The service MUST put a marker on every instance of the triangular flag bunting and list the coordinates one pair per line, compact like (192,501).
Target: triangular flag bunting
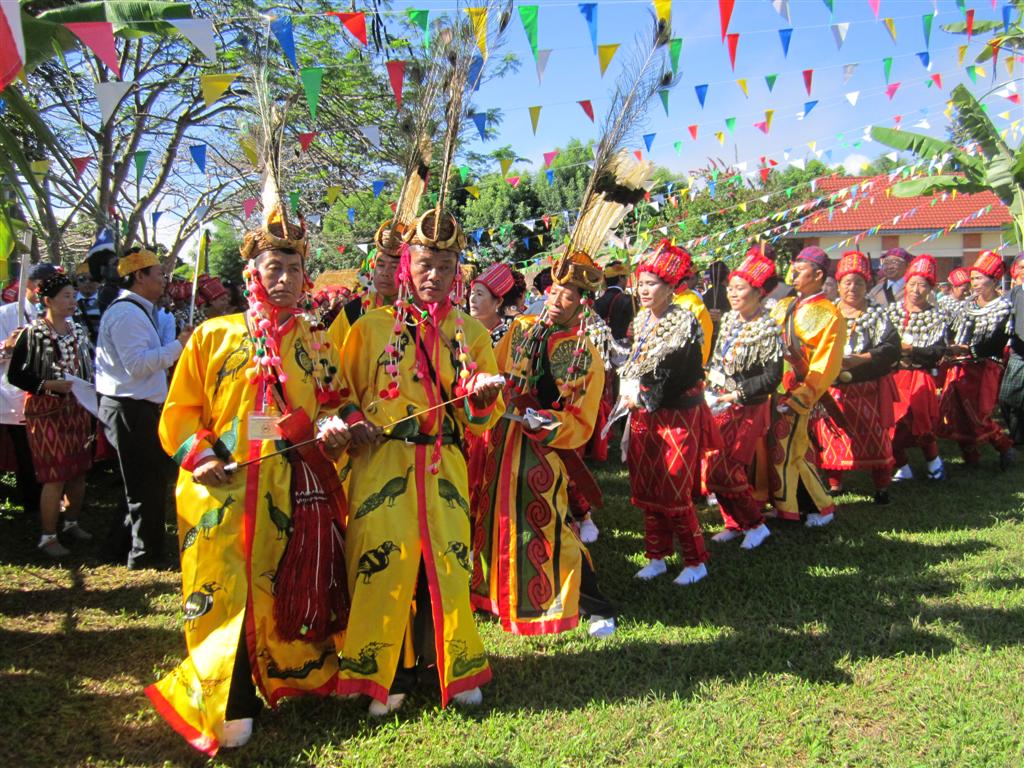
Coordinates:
(534,118)
(762,126)
(396,75)
(514,181)
(848,70)
(604,55)
(702,92)
(199,32)
(378,187)
(770,81)
(678,146)
(353,22)
(693,131)
(675,47)
(890,25)
(663,93)
(830,5)
(887,67)
(542,63)
(785,35)
(852,97)
(588,108)
(926,23)
(283,31)
(960,54)
(733,40)
(214,86)
(249,205)
(479,18)
(474,191)
(305,139)
(725,14)
(109,95)
(80,163)
(720,135)
(782,8)
(312,79)
(198,152)
(874,6)
(730,124)
(742,83)
(890,90)
(589,11)
(248,145)
(505,164)
(98,37)
(808,77)
(649,140)
(528,15)
(839,33)
(808,106)
(969,18)
(549,157)
(972,73)
(333,194)
(937,79)
(768,115)
(141,158)
(421,18)
(925,59)
(372,134)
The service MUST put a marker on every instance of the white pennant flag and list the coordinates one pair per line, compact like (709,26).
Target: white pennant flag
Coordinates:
(801,163)
(782,8)
(923,123)
(848,70)
(199,32)
(372,134)
(542,62)
(655,205)
(741,166)
(894,156)
(529,224)
(201,211)
(852,97)
(364,247)
(839,33)
(109,95)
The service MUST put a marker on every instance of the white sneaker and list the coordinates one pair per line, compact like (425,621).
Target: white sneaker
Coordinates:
(691,575)
(712,500)
(755,537)
(652,569)
(727,534)
(236,733)
(588,531)
(474,697)
(816,520)
(903,473)
(382,709)
(75,531)
(601,627)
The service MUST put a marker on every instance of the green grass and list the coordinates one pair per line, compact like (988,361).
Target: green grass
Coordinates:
(889,638)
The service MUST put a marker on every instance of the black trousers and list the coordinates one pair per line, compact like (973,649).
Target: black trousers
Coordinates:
(29,489)
(243,701)
(592,600)
(422,639)
(131,427)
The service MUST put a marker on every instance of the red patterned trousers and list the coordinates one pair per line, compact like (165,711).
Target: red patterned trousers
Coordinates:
(742,428)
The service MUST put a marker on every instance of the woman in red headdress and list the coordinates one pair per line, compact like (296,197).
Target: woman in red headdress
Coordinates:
(670,424)
(980,332)
(864,392)
(746,368)
(498,289)
(924,333)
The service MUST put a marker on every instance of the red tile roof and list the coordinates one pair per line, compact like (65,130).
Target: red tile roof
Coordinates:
(872,207)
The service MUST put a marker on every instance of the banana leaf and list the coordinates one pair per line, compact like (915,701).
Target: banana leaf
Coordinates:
(940,183)
(927,147)
(999,175)
(45,33)
(976,123)
(960,27)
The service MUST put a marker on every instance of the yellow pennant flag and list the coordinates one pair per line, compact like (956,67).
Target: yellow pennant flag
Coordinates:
(743,207)
(505,165)
(540,240)
(1004,115)
(720,136)
(812,145)
(979,70)
(961,52)
(742,83)
(663,10)
(768,115)
(6,246)
(534,117)
(555,220)
(605,54)
(248,145)
(890,25)
(332,194)
(1003,133)
(1009,65)
(213,86)
(479,18)
(948,112)
(474,191)
(39,169)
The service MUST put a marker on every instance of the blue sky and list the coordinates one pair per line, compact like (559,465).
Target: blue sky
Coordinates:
(573,74)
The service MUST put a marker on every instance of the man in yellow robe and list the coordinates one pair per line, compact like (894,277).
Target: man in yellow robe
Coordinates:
(689,298)
(417,370)
(531,569)
(235,378)
(814,334)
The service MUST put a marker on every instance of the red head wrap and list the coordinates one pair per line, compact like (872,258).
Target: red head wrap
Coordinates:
(755,269)
(210,288)
(497,279)
(923,266)
(959,277)
(990,264)
(669,262)
(854,263)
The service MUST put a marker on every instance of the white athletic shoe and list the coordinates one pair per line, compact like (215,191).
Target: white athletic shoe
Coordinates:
(652,569)
(816,520)
(588,531)
(600,627)
(382,709)
(903,473)
(755,537)
(474,697)
(727,534)
(691,575)
(236,733)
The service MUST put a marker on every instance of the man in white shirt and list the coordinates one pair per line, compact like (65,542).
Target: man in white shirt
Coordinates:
(131,379)
(12,399)
(890,289)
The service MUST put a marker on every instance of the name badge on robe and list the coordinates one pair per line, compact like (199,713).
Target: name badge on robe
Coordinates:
(263,427)
(629,388)
(716,378)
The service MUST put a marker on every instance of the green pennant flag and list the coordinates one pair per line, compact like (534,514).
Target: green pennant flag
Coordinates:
(887,66)
(971,73)
(293,199)
(6,247)
(789,191)
(312,79)
(528,15)
(675,47)
(730,123)
(420,19)
(679,147)
(926,21)
(770,81)
(141,158)
(463,173)
(664,99)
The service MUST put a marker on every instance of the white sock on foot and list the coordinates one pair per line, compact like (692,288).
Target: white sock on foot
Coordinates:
(691,574)
(652,569)
(725,535)
(817,520)
(755,537)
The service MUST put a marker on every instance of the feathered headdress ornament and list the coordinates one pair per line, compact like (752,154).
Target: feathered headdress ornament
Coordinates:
(619,180)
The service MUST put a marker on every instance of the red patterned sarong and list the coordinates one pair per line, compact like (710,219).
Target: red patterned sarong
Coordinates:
(965,411)
(917,401)
(866,442)
(60,435)
(743,429)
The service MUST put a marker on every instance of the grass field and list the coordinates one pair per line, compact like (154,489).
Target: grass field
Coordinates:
(889,638)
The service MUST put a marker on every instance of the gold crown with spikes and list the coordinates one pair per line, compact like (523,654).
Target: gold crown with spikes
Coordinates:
(277,233)
(579,270)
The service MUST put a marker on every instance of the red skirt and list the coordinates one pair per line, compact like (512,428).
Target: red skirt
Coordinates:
(965,412)
(743,429)
(917,400)
(60,436)
(866,441)
(665,450)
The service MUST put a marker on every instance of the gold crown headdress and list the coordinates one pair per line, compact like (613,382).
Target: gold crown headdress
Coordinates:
(619,180)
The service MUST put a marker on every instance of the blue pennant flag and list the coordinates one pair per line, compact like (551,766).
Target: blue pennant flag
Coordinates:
(926,59)
(702,92)
(649,140)
(785,35)
(477,234)
(351,215)
(808,106)
(1007,13)
(551,177)
(711,190)
(198,152)
(481,124)
(282,29)
(526,243)
(589,11)
(156,217)
(378,187)
(476,68)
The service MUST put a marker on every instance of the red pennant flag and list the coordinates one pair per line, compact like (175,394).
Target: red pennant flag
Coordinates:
(725,12)
(890,90)
(762,126)
(970,23)
(354,23)
(80,163)
(808,76)
(764,175)
(341,249)
(588,108)
(513,181)
(394,206)
(937,79)
(396,73)
(305,139)
(639,154)
(99,38)
(249,205)
(734,40)
(1014,97)
(549,158)
(693,132)
(547,221)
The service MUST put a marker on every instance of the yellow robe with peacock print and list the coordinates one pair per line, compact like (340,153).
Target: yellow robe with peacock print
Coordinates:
(401,514)
(528,560)
(693,302)
(233,536)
